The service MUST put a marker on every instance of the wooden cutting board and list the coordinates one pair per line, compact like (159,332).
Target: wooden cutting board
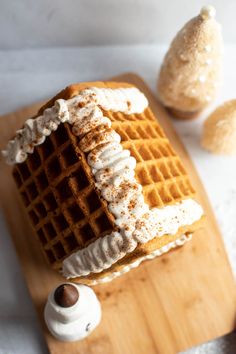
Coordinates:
(166,305)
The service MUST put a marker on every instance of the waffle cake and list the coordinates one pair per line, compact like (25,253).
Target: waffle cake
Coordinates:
(101,183)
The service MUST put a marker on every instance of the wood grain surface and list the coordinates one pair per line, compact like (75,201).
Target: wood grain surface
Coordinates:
(167,305)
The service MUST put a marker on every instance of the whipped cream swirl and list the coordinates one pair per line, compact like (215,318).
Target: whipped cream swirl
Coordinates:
(34,132)
(157,253)
(104,252)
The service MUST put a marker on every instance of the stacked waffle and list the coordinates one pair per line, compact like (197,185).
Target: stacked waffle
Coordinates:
(101,183)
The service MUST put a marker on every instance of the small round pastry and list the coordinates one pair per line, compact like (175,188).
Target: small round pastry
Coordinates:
(191,72)
(72,312)
(219,131)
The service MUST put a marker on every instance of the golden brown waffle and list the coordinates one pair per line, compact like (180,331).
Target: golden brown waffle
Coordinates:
(159,170)
(58,189)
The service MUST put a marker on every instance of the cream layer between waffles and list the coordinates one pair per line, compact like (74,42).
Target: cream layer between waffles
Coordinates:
(113,169)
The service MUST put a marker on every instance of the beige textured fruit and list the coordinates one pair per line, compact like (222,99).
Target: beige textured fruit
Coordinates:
(191,72)
(219,132)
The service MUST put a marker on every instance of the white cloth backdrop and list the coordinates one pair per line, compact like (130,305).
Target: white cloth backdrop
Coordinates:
(44,23)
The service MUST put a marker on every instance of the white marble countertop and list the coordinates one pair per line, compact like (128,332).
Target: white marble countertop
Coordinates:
(32,75)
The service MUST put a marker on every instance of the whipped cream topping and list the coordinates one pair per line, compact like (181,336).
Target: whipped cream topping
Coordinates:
(171,245)
(104,252)
(34,132)
(114,171)
(75,322)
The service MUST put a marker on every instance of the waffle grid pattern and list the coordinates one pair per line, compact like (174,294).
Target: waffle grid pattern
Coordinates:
(159,170)
(57,189)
